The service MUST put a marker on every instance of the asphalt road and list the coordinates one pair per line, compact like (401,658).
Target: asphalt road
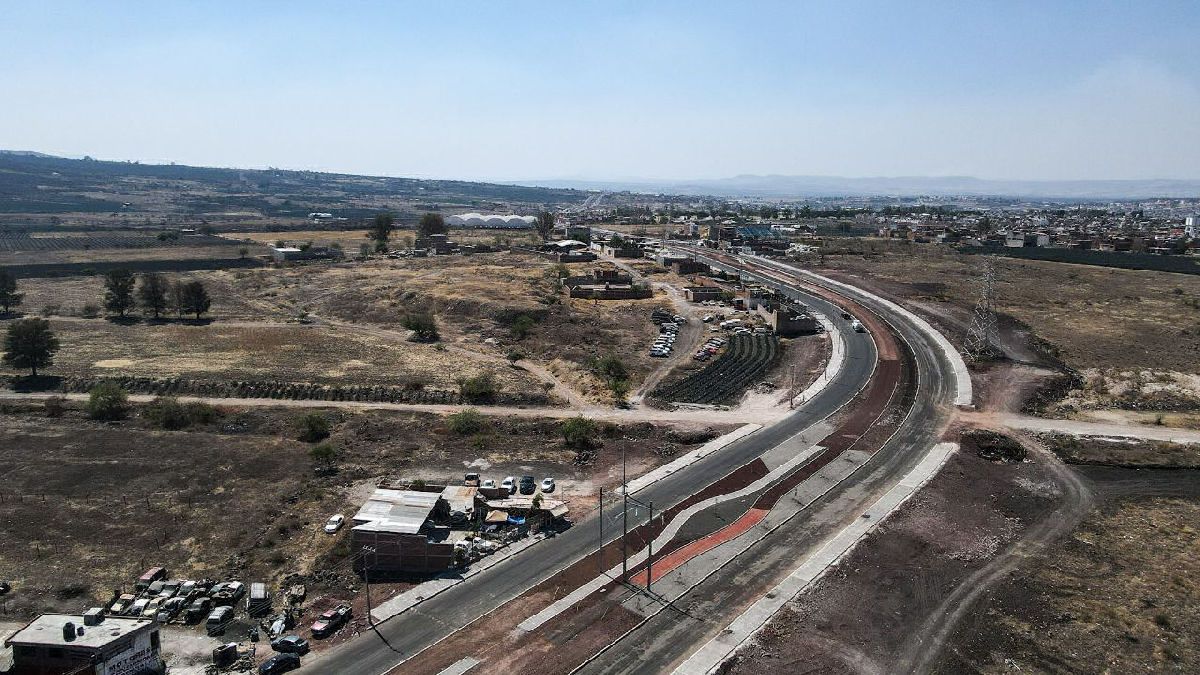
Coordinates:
(664,640)
(377,652)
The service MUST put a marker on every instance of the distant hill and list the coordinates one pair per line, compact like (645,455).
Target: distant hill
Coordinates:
(36,183)
(783,187)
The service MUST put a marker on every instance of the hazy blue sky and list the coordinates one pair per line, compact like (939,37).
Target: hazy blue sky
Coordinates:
(510,90)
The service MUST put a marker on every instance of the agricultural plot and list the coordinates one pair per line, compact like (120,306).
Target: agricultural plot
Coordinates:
(747,358)
(26,243)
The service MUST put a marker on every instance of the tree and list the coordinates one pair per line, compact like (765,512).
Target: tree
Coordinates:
(194,298)
(243,252)
(466,422)
(9,297)
(616,242)
(579,432)
(545,224)
(479,389)
(522,325)
(107,401)
(313,428)
(431,223)
(364,250)
(323,453)
(30,344)
(423,326)
(153,293)
(118,291)
(381,230)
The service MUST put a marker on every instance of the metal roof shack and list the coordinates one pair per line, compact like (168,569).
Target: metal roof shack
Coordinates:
(460,498)
(396,511)
(554,507)
(61,643)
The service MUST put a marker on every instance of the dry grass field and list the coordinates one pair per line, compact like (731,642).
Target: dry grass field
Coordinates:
(87,505)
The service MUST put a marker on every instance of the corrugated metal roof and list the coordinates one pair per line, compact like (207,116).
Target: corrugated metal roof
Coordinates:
(398,511)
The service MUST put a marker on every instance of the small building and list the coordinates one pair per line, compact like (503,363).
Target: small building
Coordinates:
(392,533)
(702,293)
(284,254)
(683,267)
(88,644)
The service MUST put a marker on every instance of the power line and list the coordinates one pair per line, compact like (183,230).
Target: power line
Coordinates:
(983,337)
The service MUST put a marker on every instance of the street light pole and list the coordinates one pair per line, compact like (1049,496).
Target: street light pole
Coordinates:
(600,549)
(367,580)
(624,520)
(650,550)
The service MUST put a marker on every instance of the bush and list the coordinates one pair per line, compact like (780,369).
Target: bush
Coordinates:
(107,401)
(514,356)
(466,422)
(579,432)
(521,326)
(313,428)
(610,368)
(478,389)
(323,453)
(168,413)
(90,311)
(423,326)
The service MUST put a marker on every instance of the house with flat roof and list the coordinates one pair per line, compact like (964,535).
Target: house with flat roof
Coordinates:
(88,644)
(393,533)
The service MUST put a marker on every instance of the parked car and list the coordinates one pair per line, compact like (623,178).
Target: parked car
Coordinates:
(547,485)
(170,588)
(292,644)
(170,609)
(279,624)
(509,483)
(136,608)
(217,620)
(330,620)
(528,485)
(199,609)
(334,523)
(150,576)
(471,480)
(122,604)
(151,608)
(228,592)
(280,663)
(489,483)
(5,587)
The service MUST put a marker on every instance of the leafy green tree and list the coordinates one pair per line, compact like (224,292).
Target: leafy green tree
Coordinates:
(118,291)
(313,428)
(30,344)
(323,453)
(545,225)
(579,432)
(107,401)
(9,297)
(479,389)
(153,293)
(521,326)
(381,230)
(610,367)
(194,298)
(431,223)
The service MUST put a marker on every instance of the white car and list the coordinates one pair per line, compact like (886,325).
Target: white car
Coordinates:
(334,523)
(489,483)
(547,485)
(509,483)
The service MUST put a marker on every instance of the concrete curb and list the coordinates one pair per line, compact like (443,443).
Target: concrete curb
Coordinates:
(837,358)
(642,482)
(710,656)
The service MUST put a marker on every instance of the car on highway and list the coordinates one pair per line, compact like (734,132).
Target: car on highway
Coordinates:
(330,620)
(280,663)
(292,644)
(334,523)
(528,485)
(509,483)
(547,484)
(847,315)
(858,327)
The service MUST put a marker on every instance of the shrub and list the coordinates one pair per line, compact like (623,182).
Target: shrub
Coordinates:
(90,311)
(481,442)
(478,389)
(166,412)
(521,326)
(579,432)
(107,401)
(514,356)
(610,368)
(313,428)
(323,453)
(466,422)
(423,326)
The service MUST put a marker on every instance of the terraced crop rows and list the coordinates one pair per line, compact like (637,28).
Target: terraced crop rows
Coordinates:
(745,359)
(22,242)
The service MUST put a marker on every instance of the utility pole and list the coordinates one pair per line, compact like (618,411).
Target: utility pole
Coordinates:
(624,520)
(650,550)
(600,549)
(983,337)
(367,580)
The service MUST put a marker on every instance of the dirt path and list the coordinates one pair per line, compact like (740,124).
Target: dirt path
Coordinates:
(924,646)
(1076,428)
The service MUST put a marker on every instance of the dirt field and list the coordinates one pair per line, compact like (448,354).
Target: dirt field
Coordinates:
(1124,452)
(92,504)
(1117,596)
(857,617)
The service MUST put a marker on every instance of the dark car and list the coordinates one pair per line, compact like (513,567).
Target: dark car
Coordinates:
(280,663)
(528,486)
(330,621)
(292,644)
(199,609)
(4,587)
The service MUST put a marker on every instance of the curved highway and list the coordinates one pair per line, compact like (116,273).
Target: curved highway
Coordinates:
(398,638)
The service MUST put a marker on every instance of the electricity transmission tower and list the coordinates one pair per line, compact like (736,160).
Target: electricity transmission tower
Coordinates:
(983,337)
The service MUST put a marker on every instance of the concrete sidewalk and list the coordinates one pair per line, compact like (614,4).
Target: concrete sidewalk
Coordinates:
(1098,429)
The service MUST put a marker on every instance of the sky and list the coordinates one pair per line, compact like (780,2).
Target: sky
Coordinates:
(614,90)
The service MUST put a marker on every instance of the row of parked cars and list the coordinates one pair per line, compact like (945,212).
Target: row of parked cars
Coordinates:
(526,486)
(665,342)
(166,600)
(709,349)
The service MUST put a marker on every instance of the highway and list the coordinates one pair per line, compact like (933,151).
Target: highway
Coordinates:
(374,653)
(668,637)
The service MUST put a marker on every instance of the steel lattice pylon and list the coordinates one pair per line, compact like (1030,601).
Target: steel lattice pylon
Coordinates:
(983,337)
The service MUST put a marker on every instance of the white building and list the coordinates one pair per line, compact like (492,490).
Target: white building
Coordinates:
(1191,226)
(491,221)
(91,643)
